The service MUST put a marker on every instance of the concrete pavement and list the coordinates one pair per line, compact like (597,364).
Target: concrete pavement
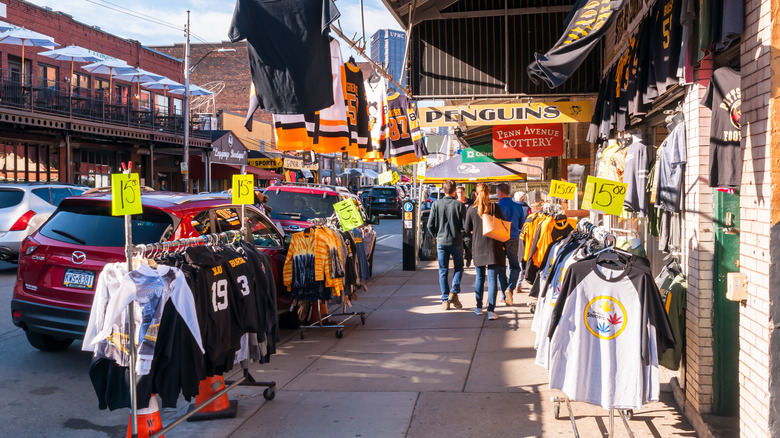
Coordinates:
(416,371)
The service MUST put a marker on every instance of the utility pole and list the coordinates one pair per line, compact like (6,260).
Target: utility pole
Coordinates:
(186,175)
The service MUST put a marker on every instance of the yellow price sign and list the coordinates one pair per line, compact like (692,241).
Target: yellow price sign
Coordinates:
(125,194)
(385,177)
(348,214)
(243,189)
(562,189)
(604,196)
(396,178)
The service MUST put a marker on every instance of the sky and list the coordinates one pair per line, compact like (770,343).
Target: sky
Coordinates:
(155,22)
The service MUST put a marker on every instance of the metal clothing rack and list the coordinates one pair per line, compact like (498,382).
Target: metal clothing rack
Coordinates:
(174,246)
(332,222)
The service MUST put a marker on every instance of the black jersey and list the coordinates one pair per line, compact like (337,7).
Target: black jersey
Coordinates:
(266,296)
(219,315)
(243,279)
(357,110)
(724,97)
(404,142)
(665,43)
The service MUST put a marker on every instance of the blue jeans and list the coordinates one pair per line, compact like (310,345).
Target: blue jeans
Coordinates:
(512,247)
(445,251)
(494,274)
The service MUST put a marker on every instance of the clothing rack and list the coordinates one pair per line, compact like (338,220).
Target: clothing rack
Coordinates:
(158,248)
(332,222)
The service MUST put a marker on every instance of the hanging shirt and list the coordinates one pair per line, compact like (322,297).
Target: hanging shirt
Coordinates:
(376,96)
(357,110)
(672,157)
(404,141)
(635,178)
(673,291)
(724,97)
(289,53)
(665,43)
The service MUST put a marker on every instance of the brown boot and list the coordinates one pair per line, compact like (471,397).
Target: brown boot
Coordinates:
(509,299)
(453,299)
(445,305)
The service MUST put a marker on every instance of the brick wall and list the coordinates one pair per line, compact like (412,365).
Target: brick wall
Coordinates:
(698,249)
(756,210)
(67,31)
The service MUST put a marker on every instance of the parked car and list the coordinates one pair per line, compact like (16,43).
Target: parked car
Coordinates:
(294,204)
(385,200)
(24,207)
(60,263)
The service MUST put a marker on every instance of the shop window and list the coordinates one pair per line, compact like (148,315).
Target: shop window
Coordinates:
(80,84)
(101,88)
(145,99)
(161,104)
(177,106)
(120,94)
(23,162)
(47,75)
(94,168)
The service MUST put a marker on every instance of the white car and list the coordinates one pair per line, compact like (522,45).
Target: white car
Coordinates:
(26,206)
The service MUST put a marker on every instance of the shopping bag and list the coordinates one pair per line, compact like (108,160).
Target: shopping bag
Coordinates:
(495,228)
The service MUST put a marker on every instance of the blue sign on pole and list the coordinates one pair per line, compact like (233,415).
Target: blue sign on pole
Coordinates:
(408,206)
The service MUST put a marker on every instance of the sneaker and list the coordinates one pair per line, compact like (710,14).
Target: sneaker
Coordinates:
(455,301)
(478,311)
(445,305)
(501,301)
(492,315)
(509,299)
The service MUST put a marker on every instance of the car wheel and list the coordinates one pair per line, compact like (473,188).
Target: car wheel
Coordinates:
(47,342)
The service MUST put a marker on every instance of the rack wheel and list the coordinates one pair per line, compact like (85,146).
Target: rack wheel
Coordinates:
(269,393)
(556,410)
(362,319)
(339,333)
(628,413)
(302,336)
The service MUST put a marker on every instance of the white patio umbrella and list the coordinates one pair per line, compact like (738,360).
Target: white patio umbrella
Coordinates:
(72,54)
(6,26)
(194,91)
(110,67)
(25,37)
(139,76)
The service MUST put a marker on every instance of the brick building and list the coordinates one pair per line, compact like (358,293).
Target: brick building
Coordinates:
(47,133)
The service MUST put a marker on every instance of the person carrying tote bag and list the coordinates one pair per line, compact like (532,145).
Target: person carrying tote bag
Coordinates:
(488,253)
(495,228)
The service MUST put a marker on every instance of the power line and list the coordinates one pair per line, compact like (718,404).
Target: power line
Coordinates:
(136,15)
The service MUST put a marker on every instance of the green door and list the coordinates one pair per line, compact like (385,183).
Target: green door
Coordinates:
(725,323)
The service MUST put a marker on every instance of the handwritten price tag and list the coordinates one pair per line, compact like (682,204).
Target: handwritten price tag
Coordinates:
(562,189)
(125,194)
(385,177)
(396,178)
(243,189)
(348,214)
(604,196)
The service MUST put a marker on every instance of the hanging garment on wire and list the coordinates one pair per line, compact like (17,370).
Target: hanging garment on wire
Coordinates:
(603,328)
(672,157)
(403,139)
(724,97)
(635,178)
(673,289)
(357,110)
(290,73)
(376,96)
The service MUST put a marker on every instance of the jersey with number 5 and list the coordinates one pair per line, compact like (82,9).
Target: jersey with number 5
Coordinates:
(219,314)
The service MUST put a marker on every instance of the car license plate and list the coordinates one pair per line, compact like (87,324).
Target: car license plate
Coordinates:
(79,279)
(381,200)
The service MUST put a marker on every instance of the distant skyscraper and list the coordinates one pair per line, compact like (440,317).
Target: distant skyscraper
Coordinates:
(387,50)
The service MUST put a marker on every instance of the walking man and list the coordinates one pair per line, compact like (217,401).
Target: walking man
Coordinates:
(514,213)
(446,224)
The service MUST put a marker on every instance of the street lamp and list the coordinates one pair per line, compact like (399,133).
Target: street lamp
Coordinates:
(187,71)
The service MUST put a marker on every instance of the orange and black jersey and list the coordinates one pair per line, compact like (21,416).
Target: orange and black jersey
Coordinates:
(357,110)
(403,142)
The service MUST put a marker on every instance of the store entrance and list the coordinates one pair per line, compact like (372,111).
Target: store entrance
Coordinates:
(725,325)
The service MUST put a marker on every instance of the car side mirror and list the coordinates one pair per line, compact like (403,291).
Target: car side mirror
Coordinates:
(374,220)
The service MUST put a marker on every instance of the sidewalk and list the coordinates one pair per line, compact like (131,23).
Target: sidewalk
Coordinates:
(416,371)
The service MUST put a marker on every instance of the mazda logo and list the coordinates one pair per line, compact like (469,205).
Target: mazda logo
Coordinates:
(78,257)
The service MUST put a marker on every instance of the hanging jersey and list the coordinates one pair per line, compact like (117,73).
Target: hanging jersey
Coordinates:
(295,132)
(376,96)
(665,43)
(403,142)
(242,278)
(333,129)
(357,110)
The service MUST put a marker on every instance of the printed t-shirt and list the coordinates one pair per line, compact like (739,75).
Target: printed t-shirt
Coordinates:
(724,97)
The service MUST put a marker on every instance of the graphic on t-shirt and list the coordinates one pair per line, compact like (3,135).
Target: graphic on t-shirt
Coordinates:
(732,103)
(605,317)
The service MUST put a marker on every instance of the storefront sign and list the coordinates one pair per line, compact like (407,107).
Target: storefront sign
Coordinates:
(604,196)
(508,114)
(528,141)
(228,150)
(265,163)
(243,192)
(125,194)
(296,164)
(562,189)
(479,154)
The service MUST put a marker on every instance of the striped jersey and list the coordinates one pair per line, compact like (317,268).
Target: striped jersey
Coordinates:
(357,110)
(403,139)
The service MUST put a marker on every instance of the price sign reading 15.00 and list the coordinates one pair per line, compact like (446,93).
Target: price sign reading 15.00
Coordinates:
(604,195)
(243,189)
(348,214)
(562,189)
(125,194)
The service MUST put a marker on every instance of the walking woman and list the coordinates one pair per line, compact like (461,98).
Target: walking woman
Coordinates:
(489,256)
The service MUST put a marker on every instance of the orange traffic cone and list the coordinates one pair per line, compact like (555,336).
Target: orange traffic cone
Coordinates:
(221,407)
(149,421)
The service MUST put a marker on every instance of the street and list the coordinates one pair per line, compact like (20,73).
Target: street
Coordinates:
(50,394)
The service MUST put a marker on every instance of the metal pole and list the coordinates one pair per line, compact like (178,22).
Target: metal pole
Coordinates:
(131,339)
(186,175)
(408,41)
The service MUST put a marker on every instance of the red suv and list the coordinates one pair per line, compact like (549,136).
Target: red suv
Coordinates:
(60,262)
(294,204)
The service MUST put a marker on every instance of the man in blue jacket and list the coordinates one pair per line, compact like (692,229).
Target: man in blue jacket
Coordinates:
(513,213)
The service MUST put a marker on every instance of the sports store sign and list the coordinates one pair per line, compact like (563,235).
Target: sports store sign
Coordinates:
(505,114)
